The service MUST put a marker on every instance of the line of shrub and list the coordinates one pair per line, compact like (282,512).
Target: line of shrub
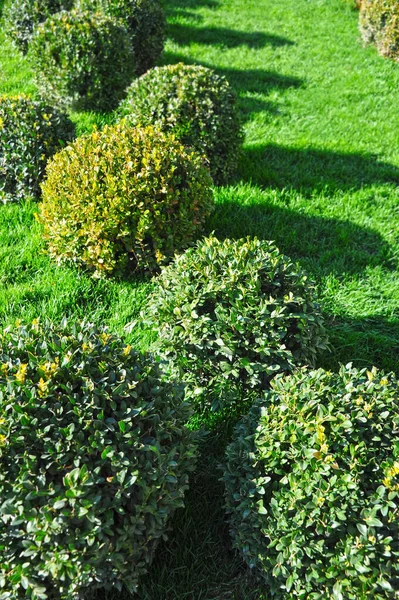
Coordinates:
(96,442)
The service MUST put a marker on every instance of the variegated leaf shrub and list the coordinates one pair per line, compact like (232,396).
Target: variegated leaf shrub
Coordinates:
(312,486)
(230,315)
(21,17)
(94,459)
(145,22)
(83,60)
(31,131)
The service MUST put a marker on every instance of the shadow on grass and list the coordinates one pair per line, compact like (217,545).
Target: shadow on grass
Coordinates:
(184,35)
(368,341)
(184,4)
(198,561)
(310,169)
(323,245)
(246,81)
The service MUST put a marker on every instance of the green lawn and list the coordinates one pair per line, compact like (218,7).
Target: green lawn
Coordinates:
(319,174)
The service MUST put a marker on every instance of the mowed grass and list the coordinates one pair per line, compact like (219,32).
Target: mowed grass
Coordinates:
(319,174)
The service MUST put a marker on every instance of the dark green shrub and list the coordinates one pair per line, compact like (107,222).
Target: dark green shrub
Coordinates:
(30,133)
(83,60)
(124,199)
(94,458)
(146,23)
(21,17)
(379,24)
(312,485)
(195,103)
(232,314)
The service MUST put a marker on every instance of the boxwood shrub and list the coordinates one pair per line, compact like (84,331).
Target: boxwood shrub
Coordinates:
(21,17)
(230,315)
(94,458)
(83,59)
(379,24)
(31,131)
(197,104)
(146,23)
(123,200)
(312,485)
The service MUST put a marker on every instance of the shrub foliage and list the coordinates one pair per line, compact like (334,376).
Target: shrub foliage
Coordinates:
(83,59)
(21,17)
(94,458)
(146,24)
(312,485)
(195,103)
(124,199)
(232,314)
(379,24)
(30,133)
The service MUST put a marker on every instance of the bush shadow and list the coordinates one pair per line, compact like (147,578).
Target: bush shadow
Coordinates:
(184,35)
(365,342)
(184,4)
(322,245)
(310,169)
(246,81)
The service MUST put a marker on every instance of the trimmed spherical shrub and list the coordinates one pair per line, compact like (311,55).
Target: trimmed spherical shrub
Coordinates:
(230,315)
(146,24)
(379,24)
(312,485)
(94,458)
(31,131)
(21,17)
(195,103)
(83,60)
(124,200)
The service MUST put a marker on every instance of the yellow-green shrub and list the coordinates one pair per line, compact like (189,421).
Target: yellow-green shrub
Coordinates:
(124,199)
(379,24)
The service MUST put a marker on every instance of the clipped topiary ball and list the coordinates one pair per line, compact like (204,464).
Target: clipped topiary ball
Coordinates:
(195,103)
(146,23)
(230,315)
(94,458)
(379,24)
(31,131)
(21,17)
(84,60)
(124,200)
(312,485)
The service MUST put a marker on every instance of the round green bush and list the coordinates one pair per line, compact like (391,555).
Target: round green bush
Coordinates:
(123,200)
(21,17)
(83,60)
(230,315)
(146,24)
(31,131)
(94,458)
(195,103)
(379,24)
(312,485)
